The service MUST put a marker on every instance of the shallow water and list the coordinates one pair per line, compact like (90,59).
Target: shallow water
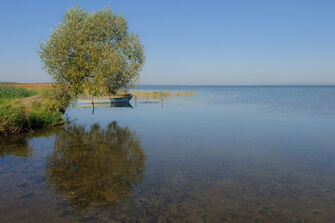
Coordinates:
(227,154)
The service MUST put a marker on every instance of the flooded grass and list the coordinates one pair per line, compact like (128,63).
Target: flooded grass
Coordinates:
(37,88)
(162,94)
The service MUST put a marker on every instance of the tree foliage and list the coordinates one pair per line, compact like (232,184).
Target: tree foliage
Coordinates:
(92,53)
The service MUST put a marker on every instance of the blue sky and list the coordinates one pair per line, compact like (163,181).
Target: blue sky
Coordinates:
(192,42)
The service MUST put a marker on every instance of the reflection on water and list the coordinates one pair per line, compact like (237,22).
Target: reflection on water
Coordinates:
(104,105)
(15,146)
(226,154)
(121,105)
(95,167)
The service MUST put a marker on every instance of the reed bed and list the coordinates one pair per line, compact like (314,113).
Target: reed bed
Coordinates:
(11,92)
(162,94)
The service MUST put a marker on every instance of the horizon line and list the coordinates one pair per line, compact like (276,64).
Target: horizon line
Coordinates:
(200,85)
(239,85)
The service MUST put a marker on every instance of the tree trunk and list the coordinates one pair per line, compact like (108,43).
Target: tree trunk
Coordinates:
(93,107)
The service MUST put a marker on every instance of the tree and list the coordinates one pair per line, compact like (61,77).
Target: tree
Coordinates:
(92,53)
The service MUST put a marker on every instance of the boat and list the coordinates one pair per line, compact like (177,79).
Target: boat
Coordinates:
(124,98)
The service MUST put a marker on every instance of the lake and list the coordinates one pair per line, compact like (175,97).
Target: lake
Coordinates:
(225,154)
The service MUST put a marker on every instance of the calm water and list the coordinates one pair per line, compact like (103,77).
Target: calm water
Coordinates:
(227,154)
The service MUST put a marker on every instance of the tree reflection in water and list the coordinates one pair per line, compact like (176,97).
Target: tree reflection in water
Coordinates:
(95,167)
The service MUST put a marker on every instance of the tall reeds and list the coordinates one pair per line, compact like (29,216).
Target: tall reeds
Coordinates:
(162,94)
(9,91)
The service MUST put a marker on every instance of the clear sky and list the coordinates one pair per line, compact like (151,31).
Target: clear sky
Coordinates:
(190,41)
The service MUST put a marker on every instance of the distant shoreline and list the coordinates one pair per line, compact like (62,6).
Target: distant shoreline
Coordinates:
(199,85)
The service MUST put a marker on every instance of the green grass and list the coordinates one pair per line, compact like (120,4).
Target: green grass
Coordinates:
(12,117)
(16,118)
(8,91)
(43,113)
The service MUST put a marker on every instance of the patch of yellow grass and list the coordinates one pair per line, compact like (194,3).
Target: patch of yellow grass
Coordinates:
(37,86)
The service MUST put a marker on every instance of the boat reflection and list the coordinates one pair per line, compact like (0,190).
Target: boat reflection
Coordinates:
(106,105)
(15,146)
(95,167)
(121,105)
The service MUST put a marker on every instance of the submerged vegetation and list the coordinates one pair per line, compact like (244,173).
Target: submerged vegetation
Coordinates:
(21,113)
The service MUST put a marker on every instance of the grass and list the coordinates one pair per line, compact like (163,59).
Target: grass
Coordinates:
(12,117)
(18,118)
(37,86)
(43,113)
(152,94)
(9,91)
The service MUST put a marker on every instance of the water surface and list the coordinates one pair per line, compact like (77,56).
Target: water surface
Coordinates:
(227,154)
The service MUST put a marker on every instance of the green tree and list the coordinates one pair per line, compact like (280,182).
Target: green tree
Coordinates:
(92,53)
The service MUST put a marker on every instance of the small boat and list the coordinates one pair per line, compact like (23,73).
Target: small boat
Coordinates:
(124,98)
